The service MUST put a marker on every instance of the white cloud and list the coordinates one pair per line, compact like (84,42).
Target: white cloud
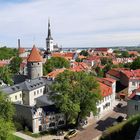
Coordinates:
(74,23)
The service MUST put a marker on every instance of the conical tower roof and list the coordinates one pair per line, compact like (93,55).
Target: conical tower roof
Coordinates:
(34,55)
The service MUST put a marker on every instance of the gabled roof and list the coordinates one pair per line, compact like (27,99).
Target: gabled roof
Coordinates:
(114,73)
(55,72)
(105,89)
(32,84)
(34,55)
(132,74)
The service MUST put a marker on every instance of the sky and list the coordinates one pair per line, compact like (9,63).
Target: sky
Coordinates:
(74,23)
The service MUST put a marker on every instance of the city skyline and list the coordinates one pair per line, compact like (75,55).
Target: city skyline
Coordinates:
(82,23)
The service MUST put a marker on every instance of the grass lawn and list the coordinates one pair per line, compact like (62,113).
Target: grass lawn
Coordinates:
(13,137)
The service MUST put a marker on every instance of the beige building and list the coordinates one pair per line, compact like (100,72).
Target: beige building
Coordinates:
(14,93)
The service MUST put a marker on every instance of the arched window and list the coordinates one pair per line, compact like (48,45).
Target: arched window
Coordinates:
(52,124)
(61,122)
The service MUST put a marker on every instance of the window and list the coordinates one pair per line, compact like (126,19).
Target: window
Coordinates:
(133,83)
(136,107)
(20,95)
(61,122)
(37,91)
(34,93)
(41,90)
(52,124)
(15,97)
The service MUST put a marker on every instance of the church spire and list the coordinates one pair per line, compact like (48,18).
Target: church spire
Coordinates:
(49,30)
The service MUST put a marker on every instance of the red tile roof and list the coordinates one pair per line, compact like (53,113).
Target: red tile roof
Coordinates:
(21,50)
(105,89)
(101,49)
(91,58)
(110,80)
(34,55)
(79,66)
(114,73)
(133,52)
(68,55)
(132,74)
(57,54)
(55,72)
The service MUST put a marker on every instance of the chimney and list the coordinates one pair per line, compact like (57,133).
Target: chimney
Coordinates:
(18,43)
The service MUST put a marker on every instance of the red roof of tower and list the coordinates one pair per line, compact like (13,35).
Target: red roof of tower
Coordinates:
(34,55)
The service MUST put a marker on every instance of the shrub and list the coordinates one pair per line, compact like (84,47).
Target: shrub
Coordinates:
(18,126)
(123,131)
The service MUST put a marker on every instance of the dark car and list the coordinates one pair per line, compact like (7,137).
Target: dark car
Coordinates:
(119,105)
(71,133)
(120,119)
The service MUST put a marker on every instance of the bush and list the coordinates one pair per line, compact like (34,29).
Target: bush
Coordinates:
(18,126)
(123,131)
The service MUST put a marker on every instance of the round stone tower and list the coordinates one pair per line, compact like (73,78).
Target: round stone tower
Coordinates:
(34,64)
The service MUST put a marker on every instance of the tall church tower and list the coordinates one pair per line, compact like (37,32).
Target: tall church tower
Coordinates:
(34,64)
(49,39)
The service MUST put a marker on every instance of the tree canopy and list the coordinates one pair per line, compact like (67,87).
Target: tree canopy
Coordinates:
(5,75)
(76,94)
(105,60)
(15,64)
(135,64)
(84,53)
(7,53)
(6,117)
(54,63)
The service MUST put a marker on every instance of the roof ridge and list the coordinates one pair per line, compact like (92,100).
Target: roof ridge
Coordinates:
(34,55)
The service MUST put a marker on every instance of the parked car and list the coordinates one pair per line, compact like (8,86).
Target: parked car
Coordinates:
(120,119)
(71,134)
(119,105)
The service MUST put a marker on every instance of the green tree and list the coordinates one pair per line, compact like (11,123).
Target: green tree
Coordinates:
(135,64)
(84,53)
(54,63)
(125,54)
(105,60)
(78,60)
(76,94)
(6,117)
(107,68)
(7,53)
(15,64)
(5,75)
(99,72)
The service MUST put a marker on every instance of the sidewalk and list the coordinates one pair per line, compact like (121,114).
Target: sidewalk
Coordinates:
(97,138)
(47,137)
(25,137)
